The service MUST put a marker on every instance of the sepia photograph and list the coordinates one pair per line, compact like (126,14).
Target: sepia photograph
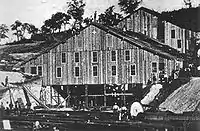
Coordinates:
(106,65)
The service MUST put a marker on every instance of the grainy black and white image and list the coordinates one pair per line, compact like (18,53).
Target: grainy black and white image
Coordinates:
(106,65)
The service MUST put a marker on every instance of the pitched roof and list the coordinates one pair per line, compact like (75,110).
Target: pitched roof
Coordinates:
(155,13)
(146,10)
(143,42)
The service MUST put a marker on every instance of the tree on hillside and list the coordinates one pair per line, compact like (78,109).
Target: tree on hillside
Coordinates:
(61,19)
(128,6)
(87,20)
(16,27)
(65,19)
(109,17)
(50,25)
(45,29)
(76,10)
(55,23)
(3,31)
(24,28)
(32,29)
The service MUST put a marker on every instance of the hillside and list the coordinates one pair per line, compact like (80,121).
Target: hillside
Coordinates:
(13,53)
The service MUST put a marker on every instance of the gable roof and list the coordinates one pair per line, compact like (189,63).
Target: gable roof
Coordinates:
(155,13)
(139,40)
(146,10)
(144,42)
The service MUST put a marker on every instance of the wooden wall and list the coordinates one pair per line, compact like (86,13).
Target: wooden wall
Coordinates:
(179,35)
(154,27)
(93,39)
(142,22)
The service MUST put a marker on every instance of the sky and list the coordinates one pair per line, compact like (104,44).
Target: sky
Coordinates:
(37,11)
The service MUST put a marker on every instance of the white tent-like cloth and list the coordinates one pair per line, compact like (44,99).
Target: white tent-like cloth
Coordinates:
(136,108)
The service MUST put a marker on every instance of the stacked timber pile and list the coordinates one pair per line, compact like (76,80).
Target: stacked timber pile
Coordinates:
(184,99)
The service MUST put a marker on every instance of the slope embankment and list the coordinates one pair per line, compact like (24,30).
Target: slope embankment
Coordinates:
(184,99)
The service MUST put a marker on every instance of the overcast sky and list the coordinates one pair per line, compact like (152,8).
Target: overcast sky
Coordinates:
(37,11)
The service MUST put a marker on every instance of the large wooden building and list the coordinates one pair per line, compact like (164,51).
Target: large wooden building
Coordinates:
(152,24)
(102,65)
(89,64)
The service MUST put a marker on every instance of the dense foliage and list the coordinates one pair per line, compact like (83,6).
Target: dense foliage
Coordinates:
(109,17)
(3,31)
(128,6)
(187,18)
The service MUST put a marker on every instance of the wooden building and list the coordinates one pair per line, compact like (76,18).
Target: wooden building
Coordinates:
(89,64)
(152,24)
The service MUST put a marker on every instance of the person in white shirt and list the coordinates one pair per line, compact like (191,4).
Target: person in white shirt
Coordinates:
(115,108)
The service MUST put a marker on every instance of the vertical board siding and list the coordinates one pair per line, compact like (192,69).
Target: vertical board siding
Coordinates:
(179,35)
(94,39)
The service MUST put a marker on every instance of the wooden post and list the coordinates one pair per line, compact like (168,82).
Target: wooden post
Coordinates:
(45,95)
(68,94)
(86,96)
(184,126)
(51,95)
(58,96)
(104,97)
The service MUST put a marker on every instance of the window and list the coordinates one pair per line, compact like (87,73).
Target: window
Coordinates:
(76,55)
(77,71)
(179,43)
(40,70)
(114,71)
(127,55)
(33,70)
(161,66)
(113,55)
(109,40)
(133,71)
(58,72)
(172,33)
(94,56)
(63,57)
(95,71)
(154,67)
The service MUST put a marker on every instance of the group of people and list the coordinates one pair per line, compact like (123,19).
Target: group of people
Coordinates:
(9,106)
(163,77)
(120,113)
